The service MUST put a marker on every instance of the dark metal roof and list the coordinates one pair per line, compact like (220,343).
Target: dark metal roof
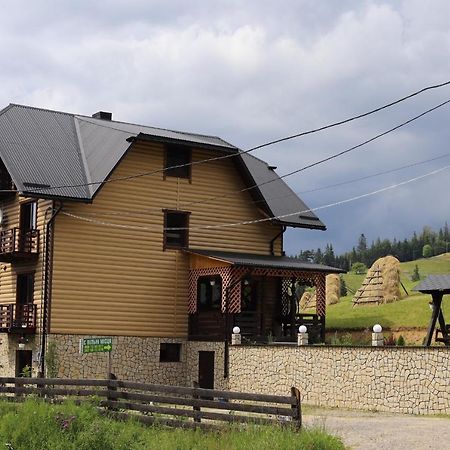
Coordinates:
(434,283)
(265,261)
(44,149)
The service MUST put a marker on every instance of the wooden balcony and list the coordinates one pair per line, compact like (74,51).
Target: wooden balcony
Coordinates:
(17,245)
(18,319)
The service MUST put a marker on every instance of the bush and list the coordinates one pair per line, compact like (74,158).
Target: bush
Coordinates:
(343,288)
(359,268)
(427,251)
(415,275)
(401,341)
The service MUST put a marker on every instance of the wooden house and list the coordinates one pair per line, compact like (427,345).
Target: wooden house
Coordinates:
(110,229)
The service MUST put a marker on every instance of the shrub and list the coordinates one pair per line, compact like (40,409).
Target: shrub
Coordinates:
(427,251)
(415,275)
(401,341)
(343,289)
(359,268)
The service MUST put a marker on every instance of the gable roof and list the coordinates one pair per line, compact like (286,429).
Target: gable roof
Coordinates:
(42,149)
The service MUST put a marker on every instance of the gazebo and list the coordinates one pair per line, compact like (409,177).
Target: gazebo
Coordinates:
(437,286)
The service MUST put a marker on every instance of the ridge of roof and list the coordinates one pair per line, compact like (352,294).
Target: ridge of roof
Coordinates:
(105,124)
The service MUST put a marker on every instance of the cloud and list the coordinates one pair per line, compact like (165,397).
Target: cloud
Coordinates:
(252,72)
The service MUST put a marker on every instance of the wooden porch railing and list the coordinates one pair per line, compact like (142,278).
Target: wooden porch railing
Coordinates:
(18,318)
(165,405)
(14,240)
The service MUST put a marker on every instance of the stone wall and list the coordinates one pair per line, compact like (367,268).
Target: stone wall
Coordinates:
(9,346)
(193,348)
(411,380)
(132,358)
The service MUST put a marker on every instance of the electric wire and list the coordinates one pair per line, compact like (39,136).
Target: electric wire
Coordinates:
(265,219)
(239,152)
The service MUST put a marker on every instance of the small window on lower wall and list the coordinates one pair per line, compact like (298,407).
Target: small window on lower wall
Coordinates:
(169,352)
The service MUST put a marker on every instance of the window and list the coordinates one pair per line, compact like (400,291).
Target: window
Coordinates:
(169,352)
(209,293)
(28,216)
(176,238)
(177,155)
(25,288)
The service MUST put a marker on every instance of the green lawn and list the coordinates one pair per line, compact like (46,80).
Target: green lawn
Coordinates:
(41,426)
(410,311)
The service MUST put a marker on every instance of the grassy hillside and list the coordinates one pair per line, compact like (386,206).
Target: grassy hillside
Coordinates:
(411,311)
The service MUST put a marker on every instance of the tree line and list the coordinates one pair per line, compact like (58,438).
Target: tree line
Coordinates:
(425,244)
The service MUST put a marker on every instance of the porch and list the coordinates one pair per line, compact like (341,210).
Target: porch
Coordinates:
(259,294)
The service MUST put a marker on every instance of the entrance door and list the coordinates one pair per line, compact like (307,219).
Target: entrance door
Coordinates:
(206,370)
(23,359)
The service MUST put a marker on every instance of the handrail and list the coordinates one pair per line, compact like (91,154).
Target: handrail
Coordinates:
(17,316)
(15,240)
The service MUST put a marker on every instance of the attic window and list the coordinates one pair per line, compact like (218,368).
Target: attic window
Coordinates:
(176,238)
(177,155)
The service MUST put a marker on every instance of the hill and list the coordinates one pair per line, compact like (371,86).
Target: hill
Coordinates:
(412,311)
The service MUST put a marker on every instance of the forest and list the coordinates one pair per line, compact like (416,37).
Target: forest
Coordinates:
(423,245)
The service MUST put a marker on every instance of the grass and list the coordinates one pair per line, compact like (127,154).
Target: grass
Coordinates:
(37,425)
(411,311)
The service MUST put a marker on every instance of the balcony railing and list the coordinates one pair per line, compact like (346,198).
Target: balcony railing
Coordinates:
(18,318)
(16,244)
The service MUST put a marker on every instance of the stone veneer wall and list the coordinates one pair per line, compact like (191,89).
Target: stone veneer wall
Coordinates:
(9,345)
(193,347)
(132,358)
(411,380)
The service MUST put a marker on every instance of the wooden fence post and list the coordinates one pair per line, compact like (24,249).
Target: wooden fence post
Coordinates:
(110,388)
(195,396)
(297,415)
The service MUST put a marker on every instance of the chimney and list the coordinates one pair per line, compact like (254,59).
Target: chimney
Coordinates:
(102,115)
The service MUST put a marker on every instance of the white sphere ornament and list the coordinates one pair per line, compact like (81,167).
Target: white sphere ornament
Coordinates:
(236,330)
(377,328)
(302,329)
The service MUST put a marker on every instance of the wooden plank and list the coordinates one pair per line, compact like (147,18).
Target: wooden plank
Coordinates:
(52,391)
(54,381)
(189,413)
(203,392)
(152,420)
(261,409)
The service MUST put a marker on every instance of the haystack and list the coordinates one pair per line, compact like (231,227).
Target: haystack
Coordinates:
(382,283)
(308,300)
(333,288)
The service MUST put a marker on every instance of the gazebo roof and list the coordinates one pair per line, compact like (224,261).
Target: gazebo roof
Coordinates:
(434,283)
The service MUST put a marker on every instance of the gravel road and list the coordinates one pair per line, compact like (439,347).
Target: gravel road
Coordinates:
(382,431)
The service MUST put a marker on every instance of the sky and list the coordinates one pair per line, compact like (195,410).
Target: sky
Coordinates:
(255,71)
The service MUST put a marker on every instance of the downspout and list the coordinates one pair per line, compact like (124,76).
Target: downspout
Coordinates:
(48,267)
(272,242)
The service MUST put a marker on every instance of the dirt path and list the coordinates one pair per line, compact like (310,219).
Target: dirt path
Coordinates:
(382,431)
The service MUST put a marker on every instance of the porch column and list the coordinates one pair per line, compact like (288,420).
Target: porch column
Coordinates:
(321,303)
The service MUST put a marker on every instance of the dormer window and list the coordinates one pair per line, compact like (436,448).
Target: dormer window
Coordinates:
(176,229)
(178,157)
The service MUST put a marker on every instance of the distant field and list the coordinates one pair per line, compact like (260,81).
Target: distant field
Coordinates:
(410,311)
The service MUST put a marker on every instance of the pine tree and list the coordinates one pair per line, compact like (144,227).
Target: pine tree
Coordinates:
(415,275)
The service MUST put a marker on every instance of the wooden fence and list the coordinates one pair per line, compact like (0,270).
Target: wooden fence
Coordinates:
(166,405)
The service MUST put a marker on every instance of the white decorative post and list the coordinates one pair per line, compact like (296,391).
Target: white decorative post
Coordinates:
(302,336)
(236,336)
(377,336)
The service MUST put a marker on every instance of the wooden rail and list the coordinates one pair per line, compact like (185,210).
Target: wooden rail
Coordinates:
(166,405)
(16,241)
(18,318)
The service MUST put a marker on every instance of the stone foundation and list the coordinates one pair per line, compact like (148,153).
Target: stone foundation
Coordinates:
(410,380)
(132,358)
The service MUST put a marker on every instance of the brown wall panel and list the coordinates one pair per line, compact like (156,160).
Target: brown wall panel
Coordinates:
(120,281)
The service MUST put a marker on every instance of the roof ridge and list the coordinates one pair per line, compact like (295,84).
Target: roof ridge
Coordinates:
(117,121)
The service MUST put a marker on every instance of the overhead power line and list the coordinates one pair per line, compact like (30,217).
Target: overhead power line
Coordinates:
(231,155)
(249,222)
(301,169)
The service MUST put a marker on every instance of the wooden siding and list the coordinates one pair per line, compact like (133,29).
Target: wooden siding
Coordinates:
(8,272)
(120,281)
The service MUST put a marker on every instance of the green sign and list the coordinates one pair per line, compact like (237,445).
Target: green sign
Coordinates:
(96,345)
